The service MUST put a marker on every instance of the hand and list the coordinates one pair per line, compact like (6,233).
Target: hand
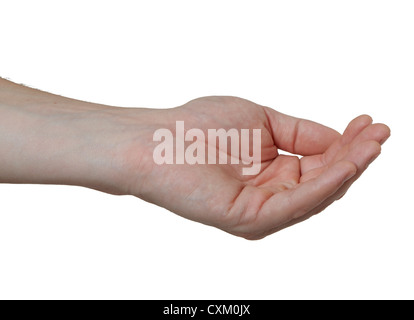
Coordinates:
(288,189)
(50,139)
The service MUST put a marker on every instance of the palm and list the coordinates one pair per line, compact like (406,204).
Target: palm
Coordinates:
(288,189)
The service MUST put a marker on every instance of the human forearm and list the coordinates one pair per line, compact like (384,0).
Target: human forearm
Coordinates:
(50,139)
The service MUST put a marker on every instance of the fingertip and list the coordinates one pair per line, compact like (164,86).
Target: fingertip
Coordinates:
(349,169)
(374,147)
(370,149)
(363,120)
(362,153)
(375,151)
(378,132)
(366,118)
(356,126)
(386,133)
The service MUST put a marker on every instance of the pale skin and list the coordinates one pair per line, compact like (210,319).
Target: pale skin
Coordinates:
(49,139)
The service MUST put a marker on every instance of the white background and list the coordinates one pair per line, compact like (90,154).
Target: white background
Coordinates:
(328,61)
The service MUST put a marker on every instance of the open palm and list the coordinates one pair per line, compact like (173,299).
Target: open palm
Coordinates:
(288,189)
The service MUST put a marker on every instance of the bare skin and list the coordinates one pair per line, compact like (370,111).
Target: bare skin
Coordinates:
(48,139)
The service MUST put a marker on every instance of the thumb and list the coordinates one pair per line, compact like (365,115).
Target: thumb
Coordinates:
(299,136)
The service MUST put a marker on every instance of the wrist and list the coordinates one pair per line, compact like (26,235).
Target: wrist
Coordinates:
(48,139)
(65,143)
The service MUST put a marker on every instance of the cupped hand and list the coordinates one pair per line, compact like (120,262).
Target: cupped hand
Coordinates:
(287,190)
